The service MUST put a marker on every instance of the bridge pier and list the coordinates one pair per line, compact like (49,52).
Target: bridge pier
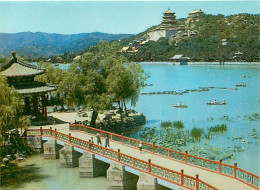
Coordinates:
(89,166)
(69,158)
(51,149)
(35,143)
(149,182)
(119,179)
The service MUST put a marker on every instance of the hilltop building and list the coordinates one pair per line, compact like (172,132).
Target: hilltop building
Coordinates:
(21,75)
(195,13)
(167,28)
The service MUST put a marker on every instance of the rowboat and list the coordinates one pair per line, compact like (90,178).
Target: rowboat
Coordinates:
(178,106)
(216,103)
(241,85)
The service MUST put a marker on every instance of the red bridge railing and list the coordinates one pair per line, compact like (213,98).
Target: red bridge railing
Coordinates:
(211,165)
(166,174)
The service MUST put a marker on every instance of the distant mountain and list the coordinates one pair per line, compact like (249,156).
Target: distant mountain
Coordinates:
(43,44)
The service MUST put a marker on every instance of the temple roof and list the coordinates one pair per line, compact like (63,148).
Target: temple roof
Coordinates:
(169,11)
(16,68)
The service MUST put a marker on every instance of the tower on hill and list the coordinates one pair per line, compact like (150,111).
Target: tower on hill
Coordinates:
(167,28)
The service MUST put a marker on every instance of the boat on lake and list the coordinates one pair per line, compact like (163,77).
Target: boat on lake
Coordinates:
(216,103)
(244,76)
(179,106)
(241,85)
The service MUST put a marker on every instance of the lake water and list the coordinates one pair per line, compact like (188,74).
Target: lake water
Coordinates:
(240,103)
(52,177)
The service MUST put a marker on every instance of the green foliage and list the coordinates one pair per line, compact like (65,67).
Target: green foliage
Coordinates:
(10,109)
(166,124)
(178,125)
(100,78)
(241,31)
(196,133)
(219,128)
(52,75)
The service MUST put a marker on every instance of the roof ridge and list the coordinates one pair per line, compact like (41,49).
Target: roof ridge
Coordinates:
(29,65)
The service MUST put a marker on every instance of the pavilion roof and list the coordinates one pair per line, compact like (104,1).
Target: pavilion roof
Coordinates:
(169,11)
(16,68)
(32,87)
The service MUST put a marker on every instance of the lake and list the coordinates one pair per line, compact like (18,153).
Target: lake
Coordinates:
(240,103)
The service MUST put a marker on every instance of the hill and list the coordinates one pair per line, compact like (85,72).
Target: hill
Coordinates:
(201,39)
(40,44)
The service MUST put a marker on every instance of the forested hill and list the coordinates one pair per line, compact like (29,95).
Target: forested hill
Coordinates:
(43,44)
(205,44)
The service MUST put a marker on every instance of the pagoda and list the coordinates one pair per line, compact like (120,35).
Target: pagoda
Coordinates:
(21,75)
(166,29)
(169,20)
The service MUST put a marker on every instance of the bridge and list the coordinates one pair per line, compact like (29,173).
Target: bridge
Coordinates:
(126,167)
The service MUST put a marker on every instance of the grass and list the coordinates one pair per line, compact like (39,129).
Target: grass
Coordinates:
(219,128)
(178,125)
(166,124)
(196,133)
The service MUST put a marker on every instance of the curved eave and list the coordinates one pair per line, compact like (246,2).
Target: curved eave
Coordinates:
(23,75)
(38,90)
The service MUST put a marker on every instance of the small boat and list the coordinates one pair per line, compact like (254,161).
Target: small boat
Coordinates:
(244,76)
(241,85)
(179,106)
(216,103)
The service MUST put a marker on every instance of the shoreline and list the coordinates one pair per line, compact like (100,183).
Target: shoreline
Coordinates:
(201,63)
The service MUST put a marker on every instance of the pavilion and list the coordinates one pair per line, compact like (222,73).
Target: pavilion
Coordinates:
(21,75)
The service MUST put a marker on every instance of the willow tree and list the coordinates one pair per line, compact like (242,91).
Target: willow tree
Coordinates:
(100,78)
(11,110)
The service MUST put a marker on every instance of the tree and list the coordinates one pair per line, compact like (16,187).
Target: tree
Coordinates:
(10,110)
(99,79)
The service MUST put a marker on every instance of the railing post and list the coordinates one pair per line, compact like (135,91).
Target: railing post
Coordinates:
(70,137)
(55,132)
(100,130)
(186,156)
(69,126)
(153,146)
(41,130)
(252,179)
(122,136)
(182,177)
(197,181)
(89,144)
(235,170)
(118,154)
(149,165)
(50,131)
(220,166)
(168,153)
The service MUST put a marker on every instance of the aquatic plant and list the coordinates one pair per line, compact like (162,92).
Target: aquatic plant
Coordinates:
(178,125)
(196,133)
(166,124)
(219,128)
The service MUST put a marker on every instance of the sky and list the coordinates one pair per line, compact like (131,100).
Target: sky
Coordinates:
(129,17)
